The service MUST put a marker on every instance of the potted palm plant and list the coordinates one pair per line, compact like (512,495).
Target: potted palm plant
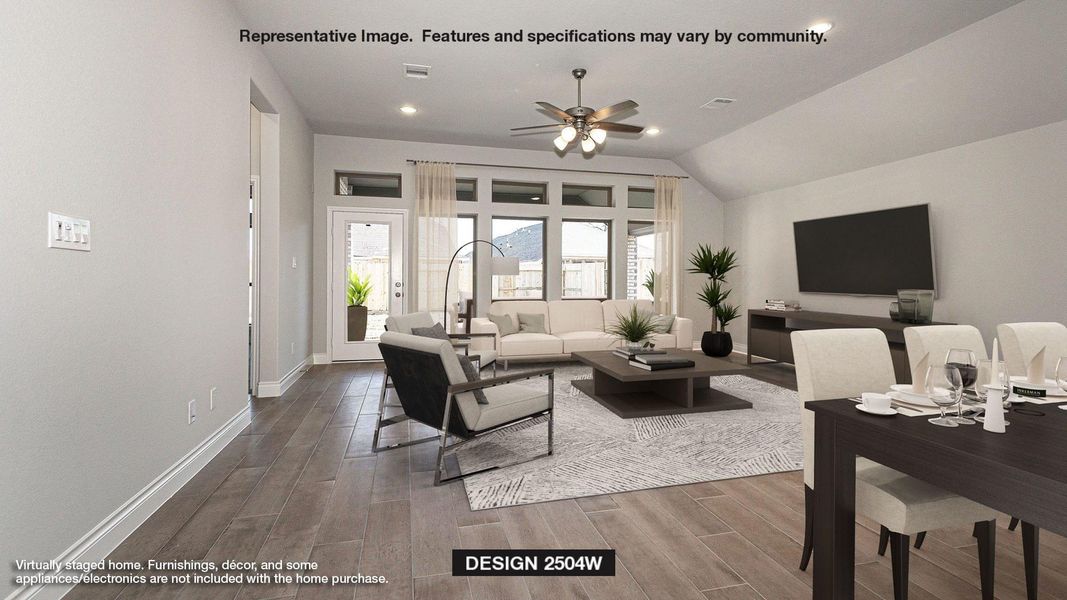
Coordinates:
(715,265)
(650,283)
(635,328)
(357,291)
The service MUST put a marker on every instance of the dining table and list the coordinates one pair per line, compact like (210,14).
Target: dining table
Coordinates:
(1022,472)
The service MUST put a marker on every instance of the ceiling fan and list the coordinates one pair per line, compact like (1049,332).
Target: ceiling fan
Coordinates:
(583,123)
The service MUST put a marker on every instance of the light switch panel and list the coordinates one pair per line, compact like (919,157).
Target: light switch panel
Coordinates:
(68,233)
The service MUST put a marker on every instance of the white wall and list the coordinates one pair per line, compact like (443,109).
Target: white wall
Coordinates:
(997,209)
(134,115)
(702,222)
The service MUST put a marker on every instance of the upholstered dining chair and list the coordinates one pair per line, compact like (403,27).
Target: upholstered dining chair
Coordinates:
(844,363)
(934,341)
(485,357)
(1022,342)
(433,390)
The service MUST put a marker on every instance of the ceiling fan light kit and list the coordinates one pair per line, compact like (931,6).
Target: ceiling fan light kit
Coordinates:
(583,123)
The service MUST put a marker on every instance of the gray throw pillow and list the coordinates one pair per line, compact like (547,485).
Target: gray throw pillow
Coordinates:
(504,324)
(665,322)
(438,332)
(532,323)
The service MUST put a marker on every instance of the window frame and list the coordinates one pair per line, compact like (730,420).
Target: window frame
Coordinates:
(649,223)
(631,188)
(397,176)
(474,189)
(542,184)
(588,186)
(474,254)
(544,256)
(609,276)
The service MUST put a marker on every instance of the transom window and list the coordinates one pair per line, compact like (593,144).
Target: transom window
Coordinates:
(520,192)
(586,195)
(382,185)
(639,197)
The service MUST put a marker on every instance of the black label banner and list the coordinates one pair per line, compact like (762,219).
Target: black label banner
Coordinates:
(496,562)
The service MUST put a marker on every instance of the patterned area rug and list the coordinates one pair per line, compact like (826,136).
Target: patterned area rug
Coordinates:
(597,452)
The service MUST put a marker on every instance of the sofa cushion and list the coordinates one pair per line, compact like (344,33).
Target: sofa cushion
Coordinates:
(584,341)
(514,307)
(508,403)
(505,324)
(665,340)
(524,344)
(575,315)
(611,309)
(532,323)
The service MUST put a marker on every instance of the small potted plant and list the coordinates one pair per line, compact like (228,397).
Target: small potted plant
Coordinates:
(715,265)
(635,328)
(358,290)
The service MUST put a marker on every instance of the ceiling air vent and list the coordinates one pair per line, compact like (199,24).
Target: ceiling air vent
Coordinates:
(416,71)
(717,103)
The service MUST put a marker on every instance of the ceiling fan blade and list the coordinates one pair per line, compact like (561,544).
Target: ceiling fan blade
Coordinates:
(607,111)
(556,111)
(618,127)
(538,127)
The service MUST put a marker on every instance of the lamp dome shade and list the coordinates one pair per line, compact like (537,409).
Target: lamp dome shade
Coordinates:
(568,133)
(598,135)
(560,143)
(588,145)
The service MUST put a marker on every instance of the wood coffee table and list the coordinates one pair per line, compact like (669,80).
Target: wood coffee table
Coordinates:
(632,392)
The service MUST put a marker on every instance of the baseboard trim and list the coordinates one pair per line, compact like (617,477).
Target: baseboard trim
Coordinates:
(320,358)
(109,533)
(273,389)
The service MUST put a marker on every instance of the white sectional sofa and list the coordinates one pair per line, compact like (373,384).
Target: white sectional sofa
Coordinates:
(572,325)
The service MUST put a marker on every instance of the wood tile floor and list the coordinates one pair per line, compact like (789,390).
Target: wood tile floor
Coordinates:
(301,483)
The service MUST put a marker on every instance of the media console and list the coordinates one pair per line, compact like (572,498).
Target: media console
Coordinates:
(768,334)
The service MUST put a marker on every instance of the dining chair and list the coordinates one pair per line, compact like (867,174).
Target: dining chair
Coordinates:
(1022,342)
(936,340)
(844,363)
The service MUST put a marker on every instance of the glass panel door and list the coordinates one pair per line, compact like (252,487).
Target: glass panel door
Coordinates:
(368,283)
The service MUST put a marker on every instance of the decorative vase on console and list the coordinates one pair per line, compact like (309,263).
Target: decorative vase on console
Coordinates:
(715,265)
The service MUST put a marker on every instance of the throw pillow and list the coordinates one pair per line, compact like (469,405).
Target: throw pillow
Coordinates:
(665,322)
(532,323)
(438,332)
(504,324)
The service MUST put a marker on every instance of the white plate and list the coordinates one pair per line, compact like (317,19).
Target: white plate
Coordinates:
(889,412)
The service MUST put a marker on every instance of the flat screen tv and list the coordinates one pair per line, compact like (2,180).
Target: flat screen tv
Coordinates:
(872,253)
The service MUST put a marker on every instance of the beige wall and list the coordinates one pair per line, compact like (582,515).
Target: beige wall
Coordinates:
(134,115)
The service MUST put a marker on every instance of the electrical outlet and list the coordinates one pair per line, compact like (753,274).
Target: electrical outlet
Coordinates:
(294,262)
(292,348)
(192,411)
(211,400)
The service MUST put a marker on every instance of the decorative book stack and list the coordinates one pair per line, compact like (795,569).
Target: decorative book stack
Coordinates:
(783,305)
(660,362)
(631,353)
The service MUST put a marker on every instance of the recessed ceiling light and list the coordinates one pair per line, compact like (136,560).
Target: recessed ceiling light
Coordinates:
(407,109)
(821,27)
(535,197)
(652,131)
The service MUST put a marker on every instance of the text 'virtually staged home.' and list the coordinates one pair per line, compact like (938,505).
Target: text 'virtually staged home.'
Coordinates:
(688,300)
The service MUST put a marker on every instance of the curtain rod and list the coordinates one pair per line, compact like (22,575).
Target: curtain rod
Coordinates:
(467,164)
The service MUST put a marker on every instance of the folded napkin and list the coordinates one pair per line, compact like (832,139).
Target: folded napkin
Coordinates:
(918,374)
(1035,372)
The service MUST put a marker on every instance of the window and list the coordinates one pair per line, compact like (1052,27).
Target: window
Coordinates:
(641,197)
(525,240)
(586,268)
(519,192)
(467,190)
(586,195)
(384,185)
(640,259)
(463,270)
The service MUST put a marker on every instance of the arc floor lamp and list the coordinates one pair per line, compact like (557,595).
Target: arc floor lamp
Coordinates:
(502,265)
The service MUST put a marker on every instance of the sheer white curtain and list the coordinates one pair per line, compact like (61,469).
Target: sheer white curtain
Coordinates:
(435,216)
(668,234)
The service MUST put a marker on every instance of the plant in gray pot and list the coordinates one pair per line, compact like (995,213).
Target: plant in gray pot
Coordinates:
(715,265)
(357,291)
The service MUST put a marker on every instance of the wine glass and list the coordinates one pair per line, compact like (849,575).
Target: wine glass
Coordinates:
(963,360)
(939,380)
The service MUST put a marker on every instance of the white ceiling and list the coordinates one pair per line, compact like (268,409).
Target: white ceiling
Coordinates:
(476,92)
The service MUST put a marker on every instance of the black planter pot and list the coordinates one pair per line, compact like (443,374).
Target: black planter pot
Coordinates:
(717,344)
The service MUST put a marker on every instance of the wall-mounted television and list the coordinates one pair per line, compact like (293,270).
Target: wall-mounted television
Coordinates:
(871,253)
